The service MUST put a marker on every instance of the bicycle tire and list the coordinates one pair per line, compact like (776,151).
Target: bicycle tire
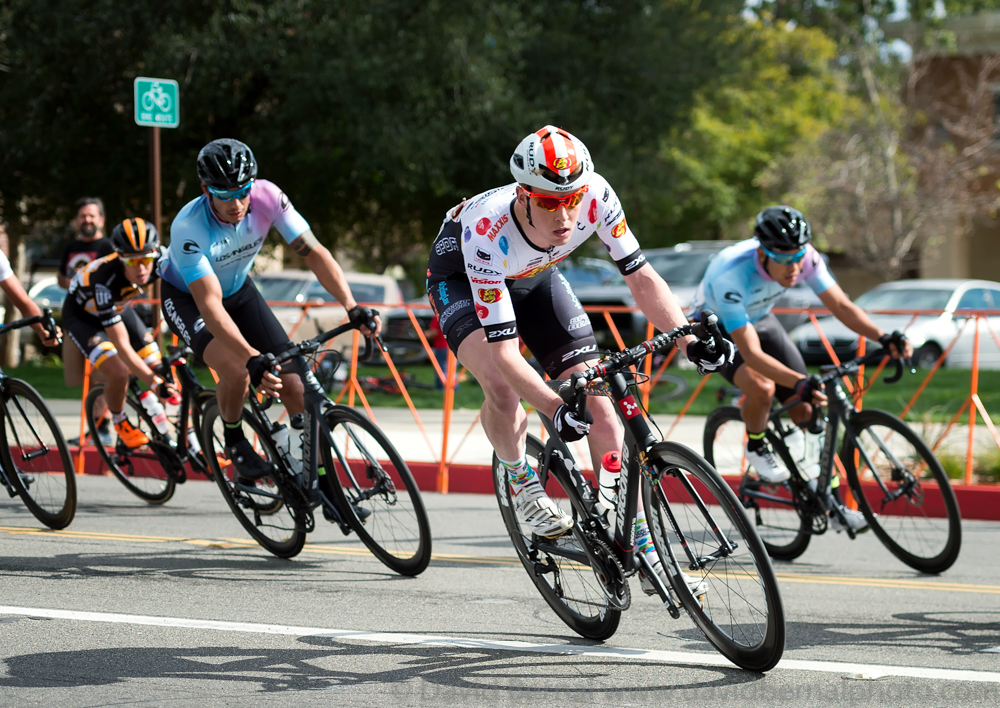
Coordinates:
(741,613)
(139,469)
(908,526)
(785,531)
(279,532)
(569,587)
(46,483)
(396,529)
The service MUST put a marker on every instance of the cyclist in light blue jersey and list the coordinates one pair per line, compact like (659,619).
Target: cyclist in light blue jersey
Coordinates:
(209,300)
(742,284)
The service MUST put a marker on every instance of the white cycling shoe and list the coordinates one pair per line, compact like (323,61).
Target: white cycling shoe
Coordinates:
(538,511)
(695,585)
(768,466)
(843,518)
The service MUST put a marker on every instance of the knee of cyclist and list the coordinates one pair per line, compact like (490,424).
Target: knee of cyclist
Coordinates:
(762,389)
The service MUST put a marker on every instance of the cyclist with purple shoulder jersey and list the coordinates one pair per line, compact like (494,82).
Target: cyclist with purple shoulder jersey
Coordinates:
(209,300)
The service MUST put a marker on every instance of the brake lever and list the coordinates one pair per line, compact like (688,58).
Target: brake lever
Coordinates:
(707,330)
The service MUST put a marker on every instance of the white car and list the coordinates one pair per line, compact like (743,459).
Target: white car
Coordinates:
(302,287)
(929,334)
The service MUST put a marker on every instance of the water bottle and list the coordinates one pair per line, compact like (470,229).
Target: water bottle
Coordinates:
(155,409)
(814,443)
(795,441)
(611,469)
(194,447)
(282,443)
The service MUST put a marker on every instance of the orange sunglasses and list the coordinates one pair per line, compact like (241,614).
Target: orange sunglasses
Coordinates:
(549,203)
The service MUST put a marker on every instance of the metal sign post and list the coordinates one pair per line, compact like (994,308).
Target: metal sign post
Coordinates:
(157,105)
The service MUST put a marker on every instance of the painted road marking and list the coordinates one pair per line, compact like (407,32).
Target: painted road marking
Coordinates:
(323,549)
(869,671)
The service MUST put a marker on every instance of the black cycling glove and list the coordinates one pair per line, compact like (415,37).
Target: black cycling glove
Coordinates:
(805,388)
(257,366)
(361,315)
(708,360)
(897,338)
(569,427)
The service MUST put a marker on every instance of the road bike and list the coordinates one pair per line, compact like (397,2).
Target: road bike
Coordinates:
(348,470)
(153,471)
(697,524)
(896,480)
(35,463)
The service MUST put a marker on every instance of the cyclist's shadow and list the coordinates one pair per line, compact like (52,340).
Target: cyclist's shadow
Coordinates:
(321,668)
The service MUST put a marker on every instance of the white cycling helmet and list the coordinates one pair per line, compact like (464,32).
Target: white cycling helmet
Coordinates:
(552,160)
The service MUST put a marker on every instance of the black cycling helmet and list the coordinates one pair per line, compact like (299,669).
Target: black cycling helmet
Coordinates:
(781,228)
(135,236)
(226,164)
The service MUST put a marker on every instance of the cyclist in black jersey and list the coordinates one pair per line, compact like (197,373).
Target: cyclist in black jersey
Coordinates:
(100,320)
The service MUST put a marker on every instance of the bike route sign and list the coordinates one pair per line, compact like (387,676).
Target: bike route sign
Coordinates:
(157,102)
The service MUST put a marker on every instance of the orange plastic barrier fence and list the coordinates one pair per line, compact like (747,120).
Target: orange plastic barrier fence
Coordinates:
(445,458)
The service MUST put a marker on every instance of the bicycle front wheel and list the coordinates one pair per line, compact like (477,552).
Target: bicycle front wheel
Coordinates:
(695,518)
(772,507)
(139,469)
(36,458)
(371,483)
(559,567)
(273,525)
(903,491)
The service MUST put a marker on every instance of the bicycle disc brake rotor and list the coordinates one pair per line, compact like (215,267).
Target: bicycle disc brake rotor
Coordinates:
(609,573)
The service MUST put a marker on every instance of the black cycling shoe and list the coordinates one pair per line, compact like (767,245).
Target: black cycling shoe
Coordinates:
(249,465)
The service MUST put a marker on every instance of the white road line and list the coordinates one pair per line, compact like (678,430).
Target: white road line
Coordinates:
(667,657)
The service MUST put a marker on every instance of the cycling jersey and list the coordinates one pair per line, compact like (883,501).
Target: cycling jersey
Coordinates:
(738,289)
(101,289)
(491,249)
(5,270)
(202,244)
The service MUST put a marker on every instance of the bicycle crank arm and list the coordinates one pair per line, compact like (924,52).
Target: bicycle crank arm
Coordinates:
(661,590)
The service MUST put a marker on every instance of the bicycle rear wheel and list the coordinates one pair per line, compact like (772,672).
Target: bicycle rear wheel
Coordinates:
(36,457)
(913,510)
(559,569)
(276,527)
(772,507)
(139,469)
(371,483)
(695,518)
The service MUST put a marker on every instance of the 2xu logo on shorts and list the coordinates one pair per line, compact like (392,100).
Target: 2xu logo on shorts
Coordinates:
(505,332)
(588,349)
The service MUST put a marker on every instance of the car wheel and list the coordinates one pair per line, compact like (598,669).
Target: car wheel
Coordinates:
(926,356)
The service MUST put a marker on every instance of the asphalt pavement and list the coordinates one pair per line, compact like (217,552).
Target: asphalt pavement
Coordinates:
(174,605)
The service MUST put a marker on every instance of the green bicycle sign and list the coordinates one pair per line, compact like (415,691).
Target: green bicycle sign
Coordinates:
(157,102)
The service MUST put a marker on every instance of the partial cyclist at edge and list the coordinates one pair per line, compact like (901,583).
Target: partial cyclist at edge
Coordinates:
(209,300)
(741,285)
(99,318)
(492,277)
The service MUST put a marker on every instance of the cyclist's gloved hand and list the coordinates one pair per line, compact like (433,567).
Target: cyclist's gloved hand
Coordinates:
(805,388)
(360,316)
(257,366)
(897,339)
(708,360)
(569,427)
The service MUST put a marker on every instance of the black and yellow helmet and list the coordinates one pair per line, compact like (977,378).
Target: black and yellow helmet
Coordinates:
(135,236)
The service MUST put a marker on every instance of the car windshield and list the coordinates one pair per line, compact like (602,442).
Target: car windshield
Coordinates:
(590,272)
(362,292)
(682,267)
(904,299)
(51,294)
(278,289)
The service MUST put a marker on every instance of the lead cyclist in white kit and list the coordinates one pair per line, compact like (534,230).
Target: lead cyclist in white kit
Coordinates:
(491,277)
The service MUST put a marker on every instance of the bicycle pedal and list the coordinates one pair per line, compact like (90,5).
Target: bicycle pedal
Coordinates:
(361,512)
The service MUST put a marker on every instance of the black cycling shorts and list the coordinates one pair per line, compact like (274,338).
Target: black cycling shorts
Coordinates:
(250,312)
(89,336)
(549,317)
(774,340)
